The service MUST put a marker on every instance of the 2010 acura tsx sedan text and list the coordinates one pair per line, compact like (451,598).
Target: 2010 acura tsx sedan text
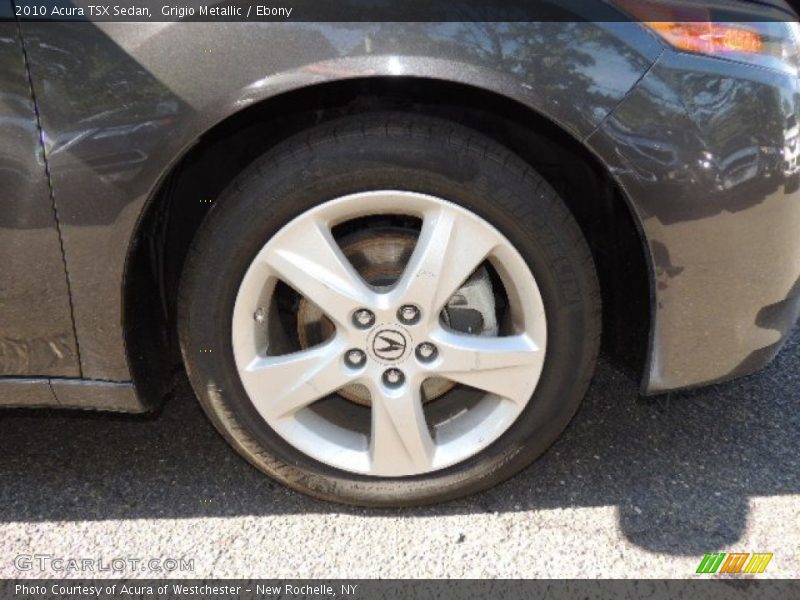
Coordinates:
(385,253)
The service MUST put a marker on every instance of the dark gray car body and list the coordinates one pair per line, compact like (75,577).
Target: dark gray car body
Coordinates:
(94,118)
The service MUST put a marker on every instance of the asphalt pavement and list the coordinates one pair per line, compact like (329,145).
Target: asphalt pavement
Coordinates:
(635,488)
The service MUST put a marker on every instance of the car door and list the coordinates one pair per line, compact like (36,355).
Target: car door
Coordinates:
(36,331)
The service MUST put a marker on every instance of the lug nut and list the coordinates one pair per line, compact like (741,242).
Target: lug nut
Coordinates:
(426,352)
(355,358)
(393,378)
(363,318)
(408,314)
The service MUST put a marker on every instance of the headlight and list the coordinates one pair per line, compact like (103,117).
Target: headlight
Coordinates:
(772,44)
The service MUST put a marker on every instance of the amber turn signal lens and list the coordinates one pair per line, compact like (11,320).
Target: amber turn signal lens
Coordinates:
(708,38)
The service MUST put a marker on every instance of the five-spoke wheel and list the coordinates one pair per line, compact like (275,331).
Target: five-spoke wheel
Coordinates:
(390,339)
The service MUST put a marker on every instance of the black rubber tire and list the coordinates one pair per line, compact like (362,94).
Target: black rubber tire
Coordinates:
(390,151)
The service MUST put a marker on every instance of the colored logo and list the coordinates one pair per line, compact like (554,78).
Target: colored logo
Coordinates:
(734,562)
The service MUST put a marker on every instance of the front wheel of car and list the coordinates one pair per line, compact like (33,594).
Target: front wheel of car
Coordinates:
(389,310)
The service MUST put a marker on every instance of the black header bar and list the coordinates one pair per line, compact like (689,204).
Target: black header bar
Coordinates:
(282,11)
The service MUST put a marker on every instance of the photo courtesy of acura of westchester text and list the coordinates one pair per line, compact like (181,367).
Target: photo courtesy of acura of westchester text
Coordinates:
(365,295)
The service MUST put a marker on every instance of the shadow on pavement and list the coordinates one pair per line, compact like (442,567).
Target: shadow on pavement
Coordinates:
(680,470)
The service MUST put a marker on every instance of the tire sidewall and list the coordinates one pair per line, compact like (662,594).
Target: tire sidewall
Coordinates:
(439,159)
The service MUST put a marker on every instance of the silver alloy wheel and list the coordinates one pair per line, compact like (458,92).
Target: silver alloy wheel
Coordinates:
(453,242)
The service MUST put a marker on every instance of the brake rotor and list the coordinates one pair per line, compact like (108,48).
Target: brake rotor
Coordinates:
(380,255)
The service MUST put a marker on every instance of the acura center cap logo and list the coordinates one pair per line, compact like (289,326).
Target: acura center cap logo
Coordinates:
(389,344)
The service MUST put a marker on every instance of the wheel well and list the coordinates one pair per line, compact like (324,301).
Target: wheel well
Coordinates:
(175,212)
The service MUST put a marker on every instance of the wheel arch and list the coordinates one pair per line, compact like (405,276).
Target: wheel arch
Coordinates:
(188,187)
